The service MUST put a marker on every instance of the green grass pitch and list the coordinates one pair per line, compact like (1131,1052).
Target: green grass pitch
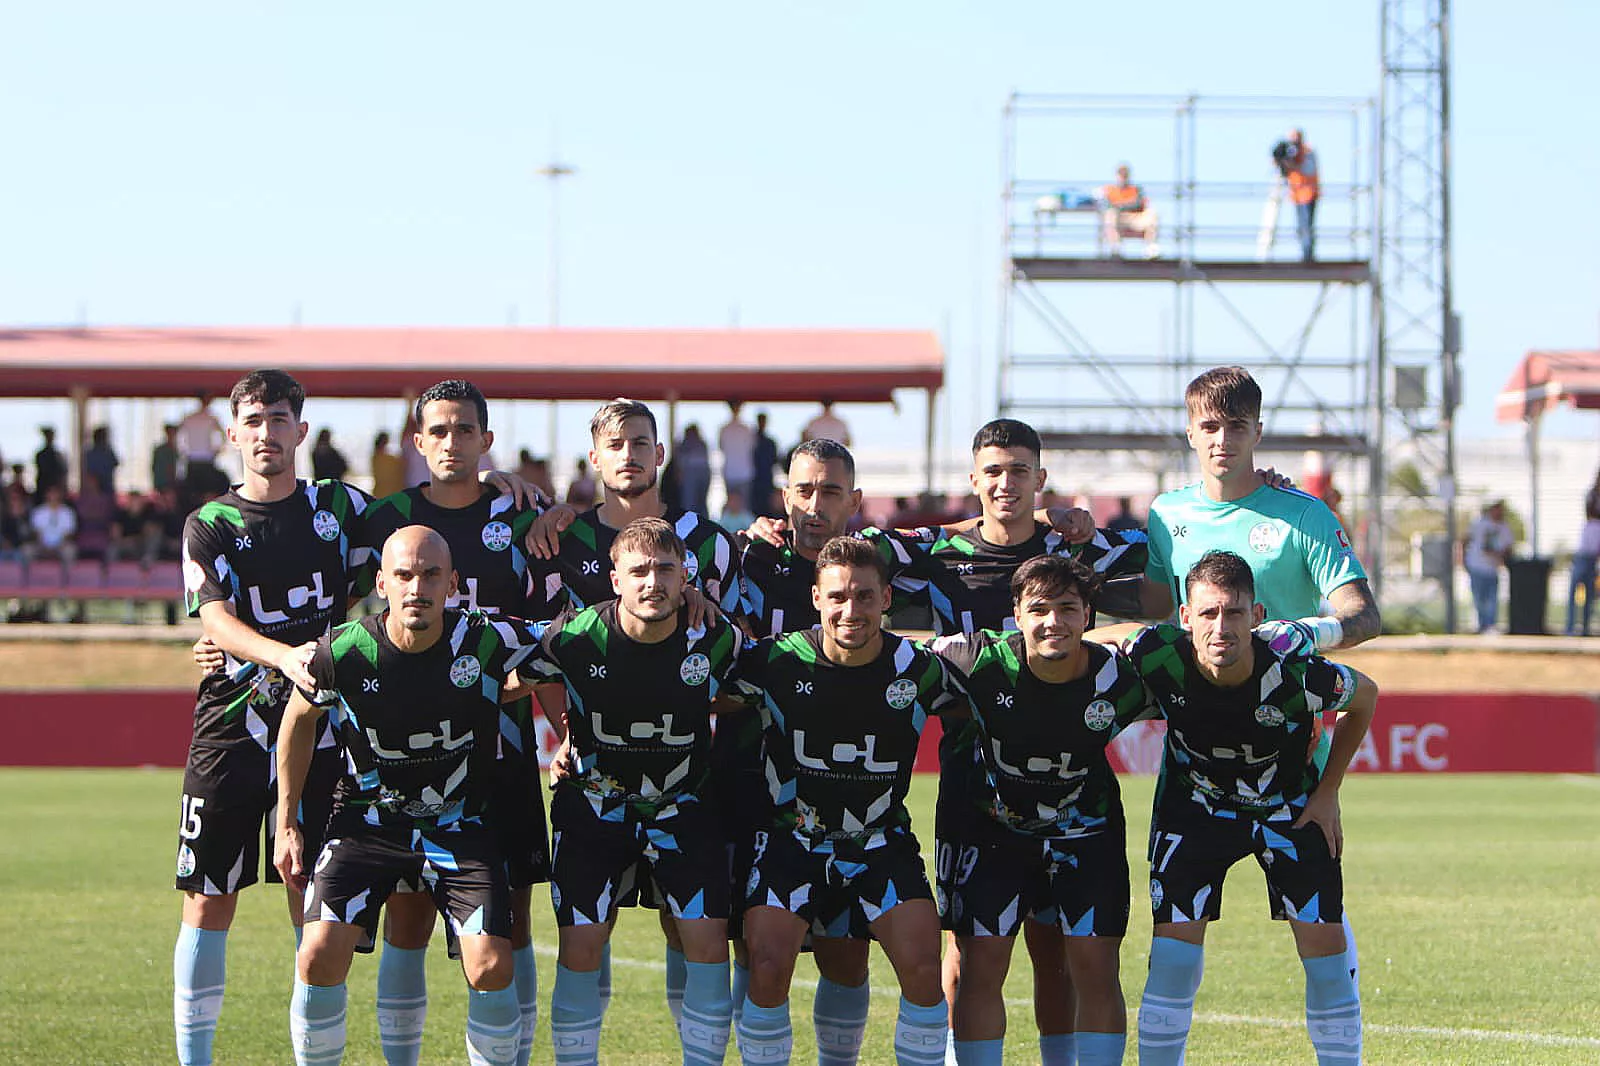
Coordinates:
(1476,901)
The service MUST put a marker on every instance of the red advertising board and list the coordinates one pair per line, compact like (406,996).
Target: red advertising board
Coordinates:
(1413,732)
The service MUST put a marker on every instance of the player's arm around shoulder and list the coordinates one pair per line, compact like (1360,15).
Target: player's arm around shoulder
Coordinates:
(224,629)
(297,737)
(1355,699)
(1357,612)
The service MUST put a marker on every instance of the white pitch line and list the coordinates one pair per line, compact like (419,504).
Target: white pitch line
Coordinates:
(1443,1032)
(1592,780)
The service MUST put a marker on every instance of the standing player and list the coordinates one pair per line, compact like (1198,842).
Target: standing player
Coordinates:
(844,707)
(266,567)
(1235,781)
(484,529)
(1295,546)
(640,684)
(414,695)
(775,585)
(1045,838)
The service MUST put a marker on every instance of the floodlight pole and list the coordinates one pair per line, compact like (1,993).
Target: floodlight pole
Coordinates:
(553,172)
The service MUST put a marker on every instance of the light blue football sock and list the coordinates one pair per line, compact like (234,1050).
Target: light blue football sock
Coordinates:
(1167,1009)
(707,1013)
(677,974)
(980,1052)
(316,1023)
(839,1017)
(605,977)
(740,986)
(1333,1011)
(299,935)
(527,985)
(1101,1049)
(402,1003)
(494,1027)
(199,970)
(575,1011)
(765,1037)
(920,1034)
(1058,1049)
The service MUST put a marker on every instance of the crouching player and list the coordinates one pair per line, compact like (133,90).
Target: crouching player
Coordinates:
(843,707)
(1044,839)
(413,695)
(1236,781)
(640,683)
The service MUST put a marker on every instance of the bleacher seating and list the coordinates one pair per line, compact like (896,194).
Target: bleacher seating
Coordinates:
(90,579)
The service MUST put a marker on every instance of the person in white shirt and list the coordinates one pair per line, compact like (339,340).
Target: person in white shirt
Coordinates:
(827,426)
(737,442)
(1488,544)
(199,439)
(55,527)
(1583,564)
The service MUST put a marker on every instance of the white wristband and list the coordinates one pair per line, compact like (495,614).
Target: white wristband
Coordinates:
(1328,632)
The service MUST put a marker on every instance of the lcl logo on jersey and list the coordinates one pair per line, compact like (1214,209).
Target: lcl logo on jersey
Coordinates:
(445,739)
(642,731)
(1269,716)
(465,670)
(325,525)
(1038,765)
(497,536)
(695,669)
(900,693)
(297,598)
(1099,715)
(844,753)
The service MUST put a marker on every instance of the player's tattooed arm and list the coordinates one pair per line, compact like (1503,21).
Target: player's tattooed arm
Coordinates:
(1322,809)
(297,736)
(239,640)
(544,536)
(1357,612)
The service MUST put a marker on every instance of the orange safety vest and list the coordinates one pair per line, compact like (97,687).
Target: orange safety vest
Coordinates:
(1303,187)
(1124,197)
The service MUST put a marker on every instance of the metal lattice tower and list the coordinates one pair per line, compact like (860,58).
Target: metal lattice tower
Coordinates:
(1418,333)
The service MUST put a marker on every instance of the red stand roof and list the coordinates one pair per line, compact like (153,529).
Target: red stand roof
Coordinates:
(1548,379)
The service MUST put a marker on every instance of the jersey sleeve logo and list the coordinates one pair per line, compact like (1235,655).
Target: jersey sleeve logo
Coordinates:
(194,575)
(1099,715)
(326,525)
(691,566)
(695,669)
(465,670)
(497,536)
(900,693)
(1269,716)
(1265,537)
(186,862)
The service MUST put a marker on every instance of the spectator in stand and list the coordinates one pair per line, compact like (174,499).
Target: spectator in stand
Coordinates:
(388,472)
(691,460)
(163,527)
(49,466)
(1126,213)
(17,488)
(164,460)
(101,460)
(736,512)
(99,521)
(327,462)
(55,527)
(1582,585)
(827,426)
(581,492)
(1299,168)
(1488,546)
(199,439)
(1124,518)
(13,523)
(765,457)
(737,443)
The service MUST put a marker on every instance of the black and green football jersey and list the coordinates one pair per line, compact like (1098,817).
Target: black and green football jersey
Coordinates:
(287,568)
(638,715)
(1042,745)
(775,588)
(1240,751)
(486,545)
(842,740)
(418,729)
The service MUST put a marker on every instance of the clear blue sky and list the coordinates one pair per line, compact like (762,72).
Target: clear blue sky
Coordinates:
(825,164)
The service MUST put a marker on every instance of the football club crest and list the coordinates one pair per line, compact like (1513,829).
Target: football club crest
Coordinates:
(691,565)
(326,525)
(464,671)
(1099,715)
(497,536)
(1268,715)
(1265,537)
(185,861)
(1156,893)
(900,693)
(695,669)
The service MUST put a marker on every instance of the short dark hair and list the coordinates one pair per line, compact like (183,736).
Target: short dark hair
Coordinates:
(618,411)
(1229,391)
(266,387)
(1006,433)
(822,450)
(454,390)
(854,553)
(1052,576)
(1223,570)
(649,535)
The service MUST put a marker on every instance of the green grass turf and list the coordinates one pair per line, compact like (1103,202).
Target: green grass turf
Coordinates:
(1474,898)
